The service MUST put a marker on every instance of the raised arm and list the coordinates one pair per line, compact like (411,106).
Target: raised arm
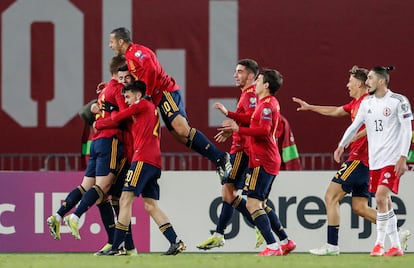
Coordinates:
(334,111)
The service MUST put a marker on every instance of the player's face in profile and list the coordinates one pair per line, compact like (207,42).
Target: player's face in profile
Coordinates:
(372,82)
(114,44)
(130,97)
(260,86)
(353,85)
(241,76)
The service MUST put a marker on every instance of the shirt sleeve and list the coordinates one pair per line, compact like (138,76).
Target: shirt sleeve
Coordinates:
(405,117)
(129,112)
(242,118)
(265,123)
(348,107)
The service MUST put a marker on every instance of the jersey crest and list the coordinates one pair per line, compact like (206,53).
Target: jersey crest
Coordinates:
(138,54)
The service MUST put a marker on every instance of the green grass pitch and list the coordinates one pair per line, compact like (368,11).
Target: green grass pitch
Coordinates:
(194,260)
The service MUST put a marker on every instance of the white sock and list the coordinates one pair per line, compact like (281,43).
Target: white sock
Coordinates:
(273,246)
(58,217)
(392,230)
(382,219)
(74,217)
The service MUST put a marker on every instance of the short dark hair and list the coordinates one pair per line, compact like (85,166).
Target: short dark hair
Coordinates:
(123,68)
(250,65)
(383,72)
(122,33)
(135,86)
(359,73)
(274,78)
(116,62)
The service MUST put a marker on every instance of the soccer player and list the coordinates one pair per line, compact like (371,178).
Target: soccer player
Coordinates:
(387,117)
(353,176)
(164,92)
(107,207)
(264,157)
(145,169)
(103,164)
(245,75)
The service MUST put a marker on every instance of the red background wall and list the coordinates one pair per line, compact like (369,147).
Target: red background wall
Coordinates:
(312,43)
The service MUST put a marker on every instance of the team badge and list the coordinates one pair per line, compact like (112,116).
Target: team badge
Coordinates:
(138,53)
(387,111)
(267,111)
(252,102)
(405,107)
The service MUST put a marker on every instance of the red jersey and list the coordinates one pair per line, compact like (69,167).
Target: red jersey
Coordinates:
(145,129)
(263,143)
(358,148)
(245,107)
(144,65)
(111,93)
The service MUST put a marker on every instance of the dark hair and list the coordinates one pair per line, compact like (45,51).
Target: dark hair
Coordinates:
(122,33)
(274,78)
(359,73)
(123,68)
(135,86)
(383,72)
(116,63)
(250,65)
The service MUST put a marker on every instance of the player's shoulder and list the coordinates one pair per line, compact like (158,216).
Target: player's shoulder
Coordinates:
(367,99)
(270,102)
(114,85)
(398,97)
(139,51)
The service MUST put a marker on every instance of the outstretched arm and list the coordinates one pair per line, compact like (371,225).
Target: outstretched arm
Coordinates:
(334,111)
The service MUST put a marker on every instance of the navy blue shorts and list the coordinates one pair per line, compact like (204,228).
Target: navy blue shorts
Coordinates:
(240,162)
(171,105)
(105,154)
(354,178)
(258,183)
(142,179)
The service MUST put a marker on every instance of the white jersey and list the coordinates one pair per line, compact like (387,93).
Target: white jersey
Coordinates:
(388,124)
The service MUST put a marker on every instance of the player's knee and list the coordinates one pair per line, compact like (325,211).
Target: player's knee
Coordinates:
(150,207)
(329,199)
(125,203)
(230,197)
(358,210)
(181,126)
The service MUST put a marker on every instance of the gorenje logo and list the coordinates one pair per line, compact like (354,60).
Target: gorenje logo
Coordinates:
(310,205)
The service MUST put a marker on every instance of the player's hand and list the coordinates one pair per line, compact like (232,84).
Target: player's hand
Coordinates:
(222,136)
(221,107)
(401,166)
(109,107)
(338,153)
(95,108)
(101,86)
(229,125)
(304,106)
